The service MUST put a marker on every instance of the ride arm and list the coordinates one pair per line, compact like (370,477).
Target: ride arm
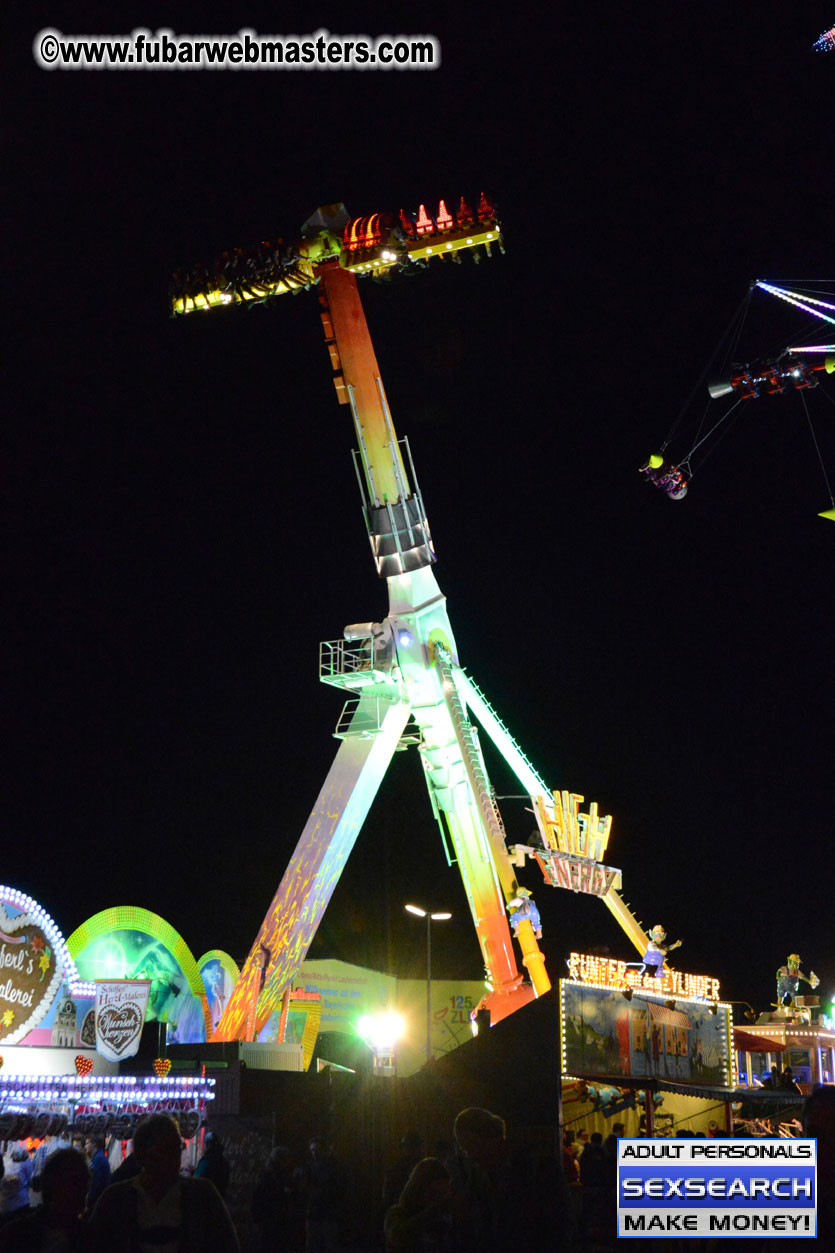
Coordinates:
(314,869)
(496,861)
(534,786)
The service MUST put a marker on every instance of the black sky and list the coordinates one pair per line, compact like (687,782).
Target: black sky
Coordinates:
(182,518)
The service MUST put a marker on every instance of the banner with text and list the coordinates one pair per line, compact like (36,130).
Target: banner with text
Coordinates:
(121,1005)
(704,1189)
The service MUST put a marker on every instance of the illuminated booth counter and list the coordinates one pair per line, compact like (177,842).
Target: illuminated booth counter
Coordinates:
(59,1068)
(35,1106)
(807,1047)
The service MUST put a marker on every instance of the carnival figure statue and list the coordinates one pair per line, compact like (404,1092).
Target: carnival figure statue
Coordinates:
(656,951)
(789,979)
(523,909)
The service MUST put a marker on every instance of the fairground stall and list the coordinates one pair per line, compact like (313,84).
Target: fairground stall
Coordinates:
(63,1041)
(656,1052)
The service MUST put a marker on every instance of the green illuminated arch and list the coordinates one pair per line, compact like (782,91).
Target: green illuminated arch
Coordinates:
(227,963)
(133,918)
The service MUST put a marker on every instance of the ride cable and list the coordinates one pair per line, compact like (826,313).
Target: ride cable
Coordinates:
(793,368)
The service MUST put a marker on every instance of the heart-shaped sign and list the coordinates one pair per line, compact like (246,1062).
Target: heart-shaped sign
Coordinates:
(30,975)
(83,1065)
(118,1026)
(88,1030)
(162,1065)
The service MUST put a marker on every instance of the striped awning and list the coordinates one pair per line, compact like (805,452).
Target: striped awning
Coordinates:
(669,1017)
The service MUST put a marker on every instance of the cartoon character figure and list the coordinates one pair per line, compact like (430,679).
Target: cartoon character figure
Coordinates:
(656,951)
(522,909)
(789,979)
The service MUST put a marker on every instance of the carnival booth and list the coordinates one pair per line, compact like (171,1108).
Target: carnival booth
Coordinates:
(655,1050)
(63,1039)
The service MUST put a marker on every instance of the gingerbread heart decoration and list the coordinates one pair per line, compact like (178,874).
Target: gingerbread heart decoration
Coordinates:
(119,1027)
(30,975)
(88,1030)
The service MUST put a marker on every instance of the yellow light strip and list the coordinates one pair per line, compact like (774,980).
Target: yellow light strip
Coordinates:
(214,297)
(421,249)
(424,249)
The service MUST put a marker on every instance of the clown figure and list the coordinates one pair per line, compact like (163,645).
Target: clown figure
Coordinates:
(656,951)
(522,909)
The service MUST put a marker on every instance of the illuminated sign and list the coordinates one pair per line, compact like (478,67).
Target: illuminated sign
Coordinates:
(121,1005)
(566,830)
(33,964)
(607,972)
(126,942)
(573,845)
(578,874)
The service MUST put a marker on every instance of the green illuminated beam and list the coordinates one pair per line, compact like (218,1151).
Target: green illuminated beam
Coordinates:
(533,784)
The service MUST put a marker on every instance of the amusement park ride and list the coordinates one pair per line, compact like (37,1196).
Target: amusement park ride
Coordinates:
(403,677)
(795,369)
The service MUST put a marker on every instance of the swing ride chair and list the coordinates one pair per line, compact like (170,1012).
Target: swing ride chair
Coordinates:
(403,678)
(795,369)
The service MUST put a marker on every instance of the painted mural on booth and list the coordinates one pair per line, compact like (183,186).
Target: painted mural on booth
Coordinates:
(604,1034)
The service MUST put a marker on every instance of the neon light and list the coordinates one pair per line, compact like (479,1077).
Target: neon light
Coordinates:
(577,874)
(132,918)
(464,215)
(227,963)
(799,300)
(424,224)
(486,209)
(41,918)
(107,1087)
(607,972)
(782,291)
(444,218)
(565,829)
(815,348)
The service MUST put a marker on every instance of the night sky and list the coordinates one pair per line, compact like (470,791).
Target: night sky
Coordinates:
(183,525)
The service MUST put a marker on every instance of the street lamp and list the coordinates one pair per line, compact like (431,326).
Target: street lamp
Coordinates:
(430,918)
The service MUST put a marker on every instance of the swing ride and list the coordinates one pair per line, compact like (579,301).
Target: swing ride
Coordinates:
(403,677)
(825,41)
(795,369)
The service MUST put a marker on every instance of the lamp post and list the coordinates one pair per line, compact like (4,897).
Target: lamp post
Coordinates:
(430,918)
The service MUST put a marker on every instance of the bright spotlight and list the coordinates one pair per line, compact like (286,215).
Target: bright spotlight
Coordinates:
(381,1031)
